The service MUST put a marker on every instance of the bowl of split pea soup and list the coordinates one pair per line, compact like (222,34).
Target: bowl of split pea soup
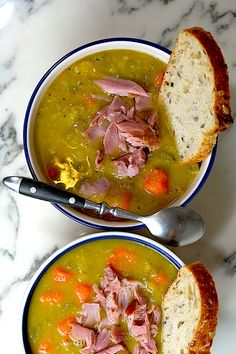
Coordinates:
(94,126)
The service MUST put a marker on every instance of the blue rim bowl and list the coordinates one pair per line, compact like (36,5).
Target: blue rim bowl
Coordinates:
(30,155)
(157,247)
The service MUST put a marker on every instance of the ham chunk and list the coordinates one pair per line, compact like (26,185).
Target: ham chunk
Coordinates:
(85,335)
(95,131)
(123,301)
(121,87)
(113,140)
(117,336)
(96,188)
(143,103)
(130,163)
(90,315)
(139,134)
(112,350)
(102,341)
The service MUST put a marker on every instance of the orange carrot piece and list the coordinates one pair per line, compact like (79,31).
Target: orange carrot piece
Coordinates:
(64,327)
(83,291)
(120,198)
(51,297)
(159,78)
(61,275)
(161,278)
(45,347)
(156,182)
(121,258)
(124,200)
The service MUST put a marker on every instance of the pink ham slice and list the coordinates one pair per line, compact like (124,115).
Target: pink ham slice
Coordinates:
(142,327)
(143,103)
(112,350)
(152,119)
(148,343)
(102,340)
(139,134)
(117,117)
(90,315)
(86,335)
(96,131)
(117,105)
(100,116)
(117,336)
(112,308)
(121,87)
(96,188)
(139,350)
(100,297)
(130,163)
(99,158)
(113,141)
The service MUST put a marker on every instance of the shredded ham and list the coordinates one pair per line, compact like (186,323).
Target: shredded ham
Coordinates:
(122,125)
(130,163)
(122,300)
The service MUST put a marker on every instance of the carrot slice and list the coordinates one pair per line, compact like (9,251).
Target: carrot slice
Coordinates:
(157,182)
(120,198)
(83,291)
(61,275)
(159,78)
(51,297)
(45,347)
(64,327)
(122,258)
(161,278)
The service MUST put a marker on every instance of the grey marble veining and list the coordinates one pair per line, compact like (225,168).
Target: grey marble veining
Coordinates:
(9,146)
(36,33)
(230,263)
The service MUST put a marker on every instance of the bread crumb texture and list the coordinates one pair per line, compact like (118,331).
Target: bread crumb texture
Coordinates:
(190,309)
(195,94)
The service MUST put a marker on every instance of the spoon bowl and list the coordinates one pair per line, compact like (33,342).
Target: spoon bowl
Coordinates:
(174,226)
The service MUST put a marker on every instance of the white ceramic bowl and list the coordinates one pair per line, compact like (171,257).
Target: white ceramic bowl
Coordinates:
(169,255)
(106,44)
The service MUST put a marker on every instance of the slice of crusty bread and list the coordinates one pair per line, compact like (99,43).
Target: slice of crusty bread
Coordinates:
(195,94)
(190,309)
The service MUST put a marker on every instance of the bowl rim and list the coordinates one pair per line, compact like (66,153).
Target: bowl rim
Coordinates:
(84,219)
(143,240)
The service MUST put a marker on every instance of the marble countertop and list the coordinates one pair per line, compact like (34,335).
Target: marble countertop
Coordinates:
(33,35)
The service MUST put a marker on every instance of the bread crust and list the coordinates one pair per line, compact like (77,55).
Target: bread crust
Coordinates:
(206,148)
(203,337)
(221,77)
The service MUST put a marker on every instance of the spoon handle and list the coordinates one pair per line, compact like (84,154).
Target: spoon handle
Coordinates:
(39,190)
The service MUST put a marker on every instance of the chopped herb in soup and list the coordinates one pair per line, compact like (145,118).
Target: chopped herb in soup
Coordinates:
(101,133)
(101,297)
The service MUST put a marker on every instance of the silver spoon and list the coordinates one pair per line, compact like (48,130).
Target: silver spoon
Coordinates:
(174,226)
